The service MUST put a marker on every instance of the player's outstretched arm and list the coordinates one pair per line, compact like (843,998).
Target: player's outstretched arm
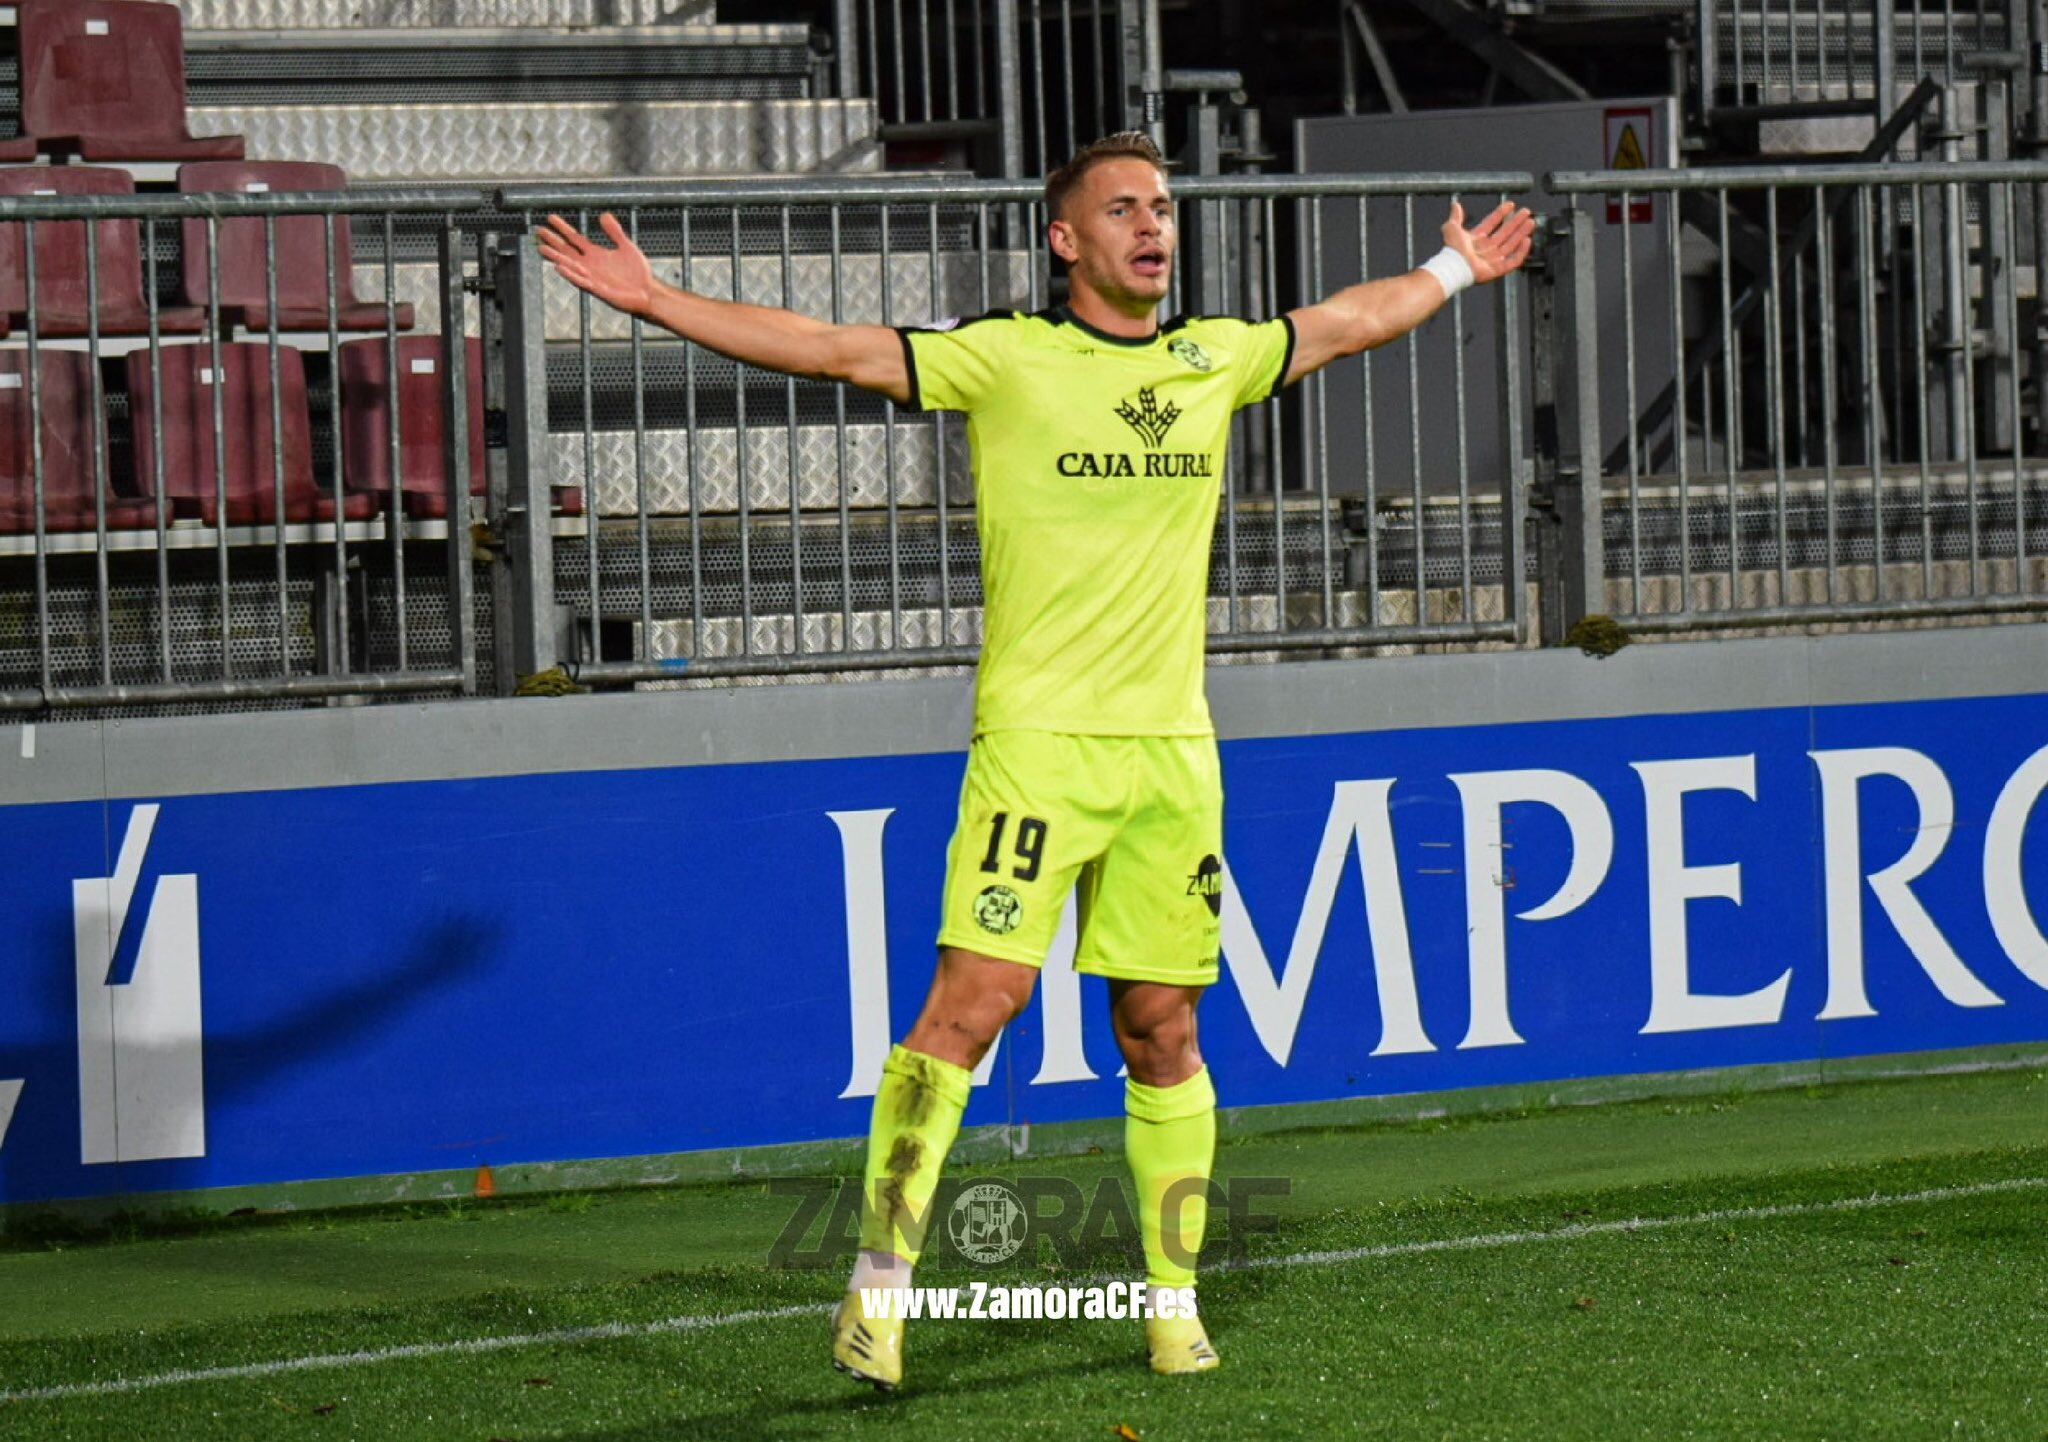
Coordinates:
(1360,317)
(868,356)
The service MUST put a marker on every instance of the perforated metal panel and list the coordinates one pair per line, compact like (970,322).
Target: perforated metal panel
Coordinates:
(766,585)
(134,623)
(429,631)
(1940,531)
(256,647)
(695,569)
(674,378)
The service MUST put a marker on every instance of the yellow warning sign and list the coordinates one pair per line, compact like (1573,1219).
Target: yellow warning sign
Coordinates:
(1628,152)
(1628,141)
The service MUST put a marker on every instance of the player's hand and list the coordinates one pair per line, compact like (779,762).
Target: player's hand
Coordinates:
(1495,246)
(619,276)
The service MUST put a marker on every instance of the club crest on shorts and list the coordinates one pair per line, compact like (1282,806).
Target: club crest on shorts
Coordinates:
(998,910)
(1207,883)
(1186,350)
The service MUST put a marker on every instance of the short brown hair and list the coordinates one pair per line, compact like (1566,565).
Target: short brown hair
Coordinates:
(1124,145)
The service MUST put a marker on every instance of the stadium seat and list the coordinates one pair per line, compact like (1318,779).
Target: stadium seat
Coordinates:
(247,460)
(61,260)
(422,420)
(105,80)
(301,251)
(64,395)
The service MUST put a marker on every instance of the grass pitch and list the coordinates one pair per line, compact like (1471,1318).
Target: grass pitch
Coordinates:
(1863,1261)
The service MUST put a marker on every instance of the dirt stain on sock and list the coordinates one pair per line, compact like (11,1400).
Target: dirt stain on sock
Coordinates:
(914,1104)
(891,1199)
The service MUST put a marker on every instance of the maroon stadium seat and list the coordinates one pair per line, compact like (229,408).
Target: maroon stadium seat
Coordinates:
(105,80)
(64,395)
(188,451)
(301,251)
(422,420)
(61,258)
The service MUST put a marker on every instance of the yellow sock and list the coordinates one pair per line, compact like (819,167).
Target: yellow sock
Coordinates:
(1170,1138)
(917,1113)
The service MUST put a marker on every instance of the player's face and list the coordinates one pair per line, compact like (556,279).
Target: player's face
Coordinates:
(1118,236)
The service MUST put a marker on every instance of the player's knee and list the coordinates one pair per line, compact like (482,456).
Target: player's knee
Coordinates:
(964,1015)
(1160,1052)
(983,1014)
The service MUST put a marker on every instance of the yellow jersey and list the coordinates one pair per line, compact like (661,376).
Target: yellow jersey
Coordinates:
(1098,462)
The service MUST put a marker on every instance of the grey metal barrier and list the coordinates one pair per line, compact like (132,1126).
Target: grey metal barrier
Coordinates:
(1022,83)
(750,523)
(1824,410)
(186,511)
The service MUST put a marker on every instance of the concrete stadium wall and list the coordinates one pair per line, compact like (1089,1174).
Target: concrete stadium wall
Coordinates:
(267,949)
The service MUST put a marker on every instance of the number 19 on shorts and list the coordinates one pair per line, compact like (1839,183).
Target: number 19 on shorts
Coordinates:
(1030,846)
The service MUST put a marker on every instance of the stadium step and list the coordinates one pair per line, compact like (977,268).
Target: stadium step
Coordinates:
(921,449)
(584,140)
(1780,32)
(919,624)
(963,284)
(680,384)
(398,66)
(1822,120)
(439,14)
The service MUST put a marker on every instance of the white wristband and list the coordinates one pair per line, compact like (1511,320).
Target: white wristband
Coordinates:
(1452,271)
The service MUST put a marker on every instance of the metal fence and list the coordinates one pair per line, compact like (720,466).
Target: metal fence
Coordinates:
(1832,415)
(1846,431)
(176,522)
(750,523)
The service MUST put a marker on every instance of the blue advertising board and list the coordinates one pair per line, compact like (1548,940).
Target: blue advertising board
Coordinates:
(265,986)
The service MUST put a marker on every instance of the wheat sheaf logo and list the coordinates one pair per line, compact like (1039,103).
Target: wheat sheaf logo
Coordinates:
(1148,418)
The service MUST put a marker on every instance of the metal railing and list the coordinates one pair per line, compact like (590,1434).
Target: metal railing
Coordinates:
(1798,395)
(751,523)
(1023,83)
(146,582)
(1844,432)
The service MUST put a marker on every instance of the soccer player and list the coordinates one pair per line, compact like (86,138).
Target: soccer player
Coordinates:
(1097,437)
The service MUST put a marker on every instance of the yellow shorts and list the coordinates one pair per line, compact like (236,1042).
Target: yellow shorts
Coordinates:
(1132,826)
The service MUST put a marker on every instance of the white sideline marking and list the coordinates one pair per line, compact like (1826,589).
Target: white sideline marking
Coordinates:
(608,1331)
(613,1331)
(1629,1224)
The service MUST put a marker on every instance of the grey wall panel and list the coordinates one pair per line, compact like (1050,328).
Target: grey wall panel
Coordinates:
(343,746)
(1536,138)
